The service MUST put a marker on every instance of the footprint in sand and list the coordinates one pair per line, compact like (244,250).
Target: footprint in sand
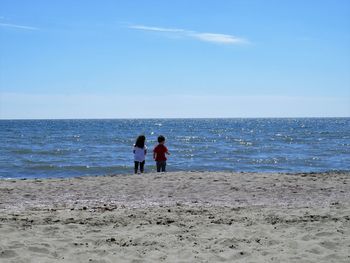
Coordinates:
(329,244)
(51,229)
(42,250)
(307,237)
(314,250)
(7,254)
(324,234)
(29,196)
(15,245)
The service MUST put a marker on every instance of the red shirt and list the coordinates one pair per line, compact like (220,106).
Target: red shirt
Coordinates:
(160,150)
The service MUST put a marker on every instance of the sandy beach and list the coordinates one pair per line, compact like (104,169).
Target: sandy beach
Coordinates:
(177,217)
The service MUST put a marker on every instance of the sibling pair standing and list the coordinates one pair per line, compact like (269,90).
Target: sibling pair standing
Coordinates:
(159,152)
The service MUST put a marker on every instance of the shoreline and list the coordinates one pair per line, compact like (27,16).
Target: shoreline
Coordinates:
(153,171)
(177,216)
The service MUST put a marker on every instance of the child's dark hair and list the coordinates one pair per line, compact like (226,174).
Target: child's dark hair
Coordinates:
(161,138)
(140,141)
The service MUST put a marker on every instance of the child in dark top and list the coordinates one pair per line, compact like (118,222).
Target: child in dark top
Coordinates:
(159,154)
(140,151)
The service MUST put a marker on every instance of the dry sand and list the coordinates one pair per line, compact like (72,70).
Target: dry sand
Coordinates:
(177,217)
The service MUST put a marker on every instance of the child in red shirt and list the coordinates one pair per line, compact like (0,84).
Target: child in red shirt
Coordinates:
(159,154)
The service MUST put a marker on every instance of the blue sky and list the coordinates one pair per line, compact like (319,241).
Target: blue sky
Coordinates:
(139,59)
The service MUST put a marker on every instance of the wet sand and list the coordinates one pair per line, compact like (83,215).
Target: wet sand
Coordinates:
(177,217)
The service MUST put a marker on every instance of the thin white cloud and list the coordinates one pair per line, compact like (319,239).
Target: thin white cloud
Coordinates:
(18,26)
(206,37)
(219,38)
(158,29)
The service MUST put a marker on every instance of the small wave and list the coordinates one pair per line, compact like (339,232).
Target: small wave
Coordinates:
(22,151)
(42,167)
(78,168)
(57,151)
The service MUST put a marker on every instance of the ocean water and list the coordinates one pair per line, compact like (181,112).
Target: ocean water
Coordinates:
(65,148)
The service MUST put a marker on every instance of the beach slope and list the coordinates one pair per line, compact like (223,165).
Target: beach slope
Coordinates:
(177,217)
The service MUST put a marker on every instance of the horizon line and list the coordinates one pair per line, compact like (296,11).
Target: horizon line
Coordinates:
(179,118)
